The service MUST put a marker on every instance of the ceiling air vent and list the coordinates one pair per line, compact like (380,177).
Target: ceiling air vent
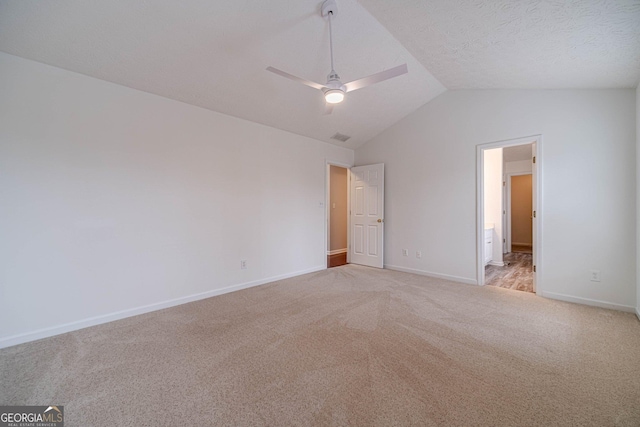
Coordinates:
(340,137)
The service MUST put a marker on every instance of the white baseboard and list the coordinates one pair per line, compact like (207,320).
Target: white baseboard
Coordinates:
(496,263)
(337,251)
(638,312)
(588,301)
(92,321)
(430,274)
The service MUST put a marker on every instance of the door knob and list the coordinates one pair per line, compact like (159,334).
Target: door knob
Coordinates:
(379,220)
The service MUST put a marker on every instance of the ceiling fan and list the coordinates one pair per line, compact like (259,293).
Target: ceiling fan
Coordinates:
(334,90)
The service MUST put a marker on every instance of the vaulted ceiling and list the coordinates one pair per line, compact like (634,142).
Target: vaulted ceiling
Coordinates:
(213,54)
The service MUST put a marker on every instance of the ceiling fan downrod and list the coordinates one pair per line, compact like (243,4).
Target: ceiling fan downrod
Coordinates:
(334,90)
(333,73)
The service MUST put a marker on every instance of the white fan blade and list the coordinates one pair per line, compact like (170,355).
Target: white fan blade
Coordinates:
(297,79)
(328,109)
(377,78)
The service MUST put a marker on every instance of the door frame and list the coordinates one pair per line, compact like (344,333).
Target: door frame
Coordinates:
(327,204)
(538,277)
(507,206)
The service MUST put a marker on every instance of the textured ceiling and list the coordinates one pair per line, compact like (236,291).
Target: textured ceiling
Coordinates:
(519,43)
(213,54)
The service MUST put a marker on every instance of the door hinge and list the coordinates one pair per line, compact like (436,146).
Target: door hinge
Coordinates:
(534,268)
(504,212)
(534,214)
(534,159)
(504,240)
(504,183)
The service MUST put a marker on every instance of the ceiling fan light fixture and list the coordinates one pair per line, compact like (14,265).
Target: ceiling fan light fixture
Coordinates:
(334,90)
(334,96)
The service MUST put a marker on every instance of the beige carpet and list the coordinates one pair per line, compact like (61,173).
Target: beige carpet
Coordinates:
(345,346)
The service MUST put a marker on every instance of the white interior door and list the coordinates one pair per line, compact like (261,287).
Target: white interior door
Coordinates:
(367,215)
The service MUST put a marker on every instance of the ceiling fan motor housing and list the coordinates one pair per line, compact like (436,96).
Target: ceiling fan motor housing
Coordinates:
(334,83)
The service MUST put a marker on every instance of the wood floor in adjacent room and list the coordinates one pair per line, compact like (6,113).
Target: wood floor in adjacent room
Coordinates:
(336,260)
(517,273)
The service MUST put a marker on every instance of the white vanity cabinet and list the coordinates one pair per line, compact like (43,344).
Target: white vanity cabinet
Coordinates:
(488,245)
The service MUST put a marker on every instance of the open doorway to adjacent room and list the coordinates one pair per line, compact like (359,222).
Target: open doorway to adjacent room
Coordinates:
(337,215)
(508,206)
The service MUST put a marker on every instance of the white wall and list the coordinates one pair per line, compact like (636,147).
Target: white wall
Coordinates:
(519,166)
(588,185)
(493,200)
(114,199)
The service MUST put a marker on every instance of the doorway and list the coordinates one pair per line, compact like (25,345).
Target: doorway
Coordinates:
(361,235)
(508,220)
(337,216)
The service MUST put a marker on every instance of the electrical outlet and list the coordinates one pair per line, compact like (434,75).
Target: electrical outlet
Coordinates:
(595,276)
(418,254)
(405,252)
(243,264)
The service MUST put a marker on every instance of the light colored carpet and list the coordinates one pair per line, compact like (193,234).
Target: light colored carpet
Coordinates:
(345,346)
